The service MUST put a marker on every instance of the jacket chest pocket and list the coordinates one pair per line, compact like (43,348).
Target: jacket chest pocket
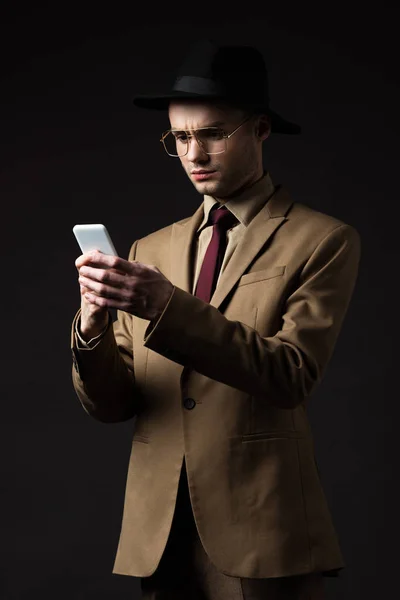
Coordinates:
(257,298)
(261,275)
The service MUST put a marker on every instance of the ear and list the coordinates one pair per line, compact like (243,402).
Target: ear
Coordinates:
(263,127)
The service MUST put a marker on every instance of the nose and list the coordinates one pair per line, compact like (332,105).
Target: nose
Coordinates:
(195,152)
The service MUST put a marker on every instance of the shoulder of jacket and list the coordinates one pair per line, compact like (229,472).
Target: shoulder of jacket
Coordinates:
(159,236)
(312,227)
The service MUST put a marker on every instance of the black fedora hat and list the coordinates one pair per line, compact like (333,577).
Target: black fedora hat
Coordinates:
(234,74)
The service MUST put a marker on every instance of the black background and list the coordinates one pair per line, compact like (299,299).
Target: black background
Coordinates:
(74,149)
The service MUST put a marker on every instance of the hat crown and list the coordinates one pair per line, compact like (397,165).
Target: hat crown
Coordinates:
(234,71)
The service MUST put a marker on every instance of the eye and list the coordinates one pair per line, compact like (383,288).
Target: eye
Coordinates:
(212,134)
(181,136)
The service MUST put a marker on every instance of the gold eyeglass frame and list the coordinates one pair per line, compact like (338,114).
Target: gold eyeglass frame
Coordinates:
(226,136)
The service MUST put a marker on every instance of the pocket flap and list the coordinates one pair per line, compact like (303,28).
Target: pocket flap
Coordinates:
(261,275)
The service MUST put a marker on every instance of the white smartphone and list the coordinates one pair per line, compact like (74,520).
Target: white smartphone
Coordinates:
(94,237)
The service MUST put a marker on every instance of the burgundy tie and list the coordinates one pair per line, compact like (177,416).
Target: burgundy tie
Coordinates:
(222,220)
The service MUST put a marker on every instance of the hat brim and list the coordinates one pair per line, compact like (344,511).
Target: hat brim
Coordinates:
(157,102)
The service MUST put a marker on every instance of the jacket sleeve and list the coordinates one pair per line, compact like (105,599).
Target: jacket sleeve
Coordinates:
(103,376)
(283,368)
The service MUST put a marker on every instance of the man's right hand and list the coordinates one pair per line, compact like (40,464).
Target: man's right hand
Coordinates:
(94,319)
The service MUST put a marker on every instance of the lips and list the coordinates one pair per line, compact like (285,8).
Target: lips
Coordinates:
(202,174)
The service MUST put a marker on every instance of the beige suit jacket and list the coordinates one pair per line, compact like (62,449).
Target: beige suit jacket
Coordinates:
(249,360)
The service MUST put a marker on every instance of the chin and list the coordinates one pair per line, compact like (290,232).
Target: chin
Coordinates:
(209,188)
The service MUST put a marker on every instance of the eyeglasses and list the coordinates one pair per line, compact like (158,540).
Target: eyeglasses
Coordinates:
(212,140)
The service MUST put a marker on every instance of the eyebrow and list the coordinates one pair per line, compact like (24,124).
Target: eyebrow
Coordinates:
(212,124)
(216,124)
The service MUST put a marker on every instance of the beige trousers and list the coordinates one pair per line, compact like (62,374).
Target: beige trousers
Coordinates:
(186,573)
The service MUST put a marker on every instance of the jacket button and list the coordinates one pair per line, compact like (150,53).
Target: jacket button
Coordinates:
(189,403)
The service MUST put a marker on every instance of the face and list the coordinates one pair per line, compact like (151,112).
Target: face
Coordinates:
(221,175)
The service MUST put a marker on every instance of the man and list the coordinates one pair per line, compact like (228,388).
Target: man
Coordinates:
(226,323)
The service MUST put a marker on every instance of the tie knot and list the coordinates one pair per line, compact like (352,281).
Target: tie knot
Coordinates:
(223,218)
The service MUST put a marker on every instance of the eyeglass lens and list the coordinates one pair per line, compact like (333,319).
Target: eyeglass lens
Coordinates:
(212,141)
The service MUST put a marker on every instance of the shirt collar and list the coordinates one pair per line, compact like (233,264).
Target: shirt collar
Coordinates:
(245,205)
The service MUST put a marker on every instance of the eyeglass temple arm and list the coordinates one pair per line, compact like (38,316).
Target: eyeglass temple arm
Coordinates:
(238,127)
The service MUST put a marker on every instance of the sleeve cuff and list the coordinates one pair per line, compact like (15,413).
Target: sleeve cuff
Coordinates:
(153,324)
(92,343)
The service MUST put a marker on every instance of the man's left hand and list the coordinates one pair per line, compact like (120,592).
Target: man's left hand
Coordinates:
(112,282)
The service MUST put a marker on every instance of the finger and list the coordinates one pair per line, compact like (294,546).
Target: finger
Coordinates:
(97,300)
(108,276)
(83,290)
(123,273)
(107,302)
(99,260)
(106,291)
(84,259)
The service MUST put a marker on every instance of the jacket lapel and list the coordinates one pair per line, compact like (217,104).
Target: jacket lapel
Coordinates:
(261,228)
(182,250)
(257,234)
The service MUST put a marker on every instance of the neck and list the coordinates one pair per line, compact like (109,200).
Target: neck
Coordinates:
(246,184)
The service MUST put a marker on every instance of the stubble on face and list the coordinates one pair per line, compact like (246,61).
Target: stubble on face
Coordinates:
(229,180)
